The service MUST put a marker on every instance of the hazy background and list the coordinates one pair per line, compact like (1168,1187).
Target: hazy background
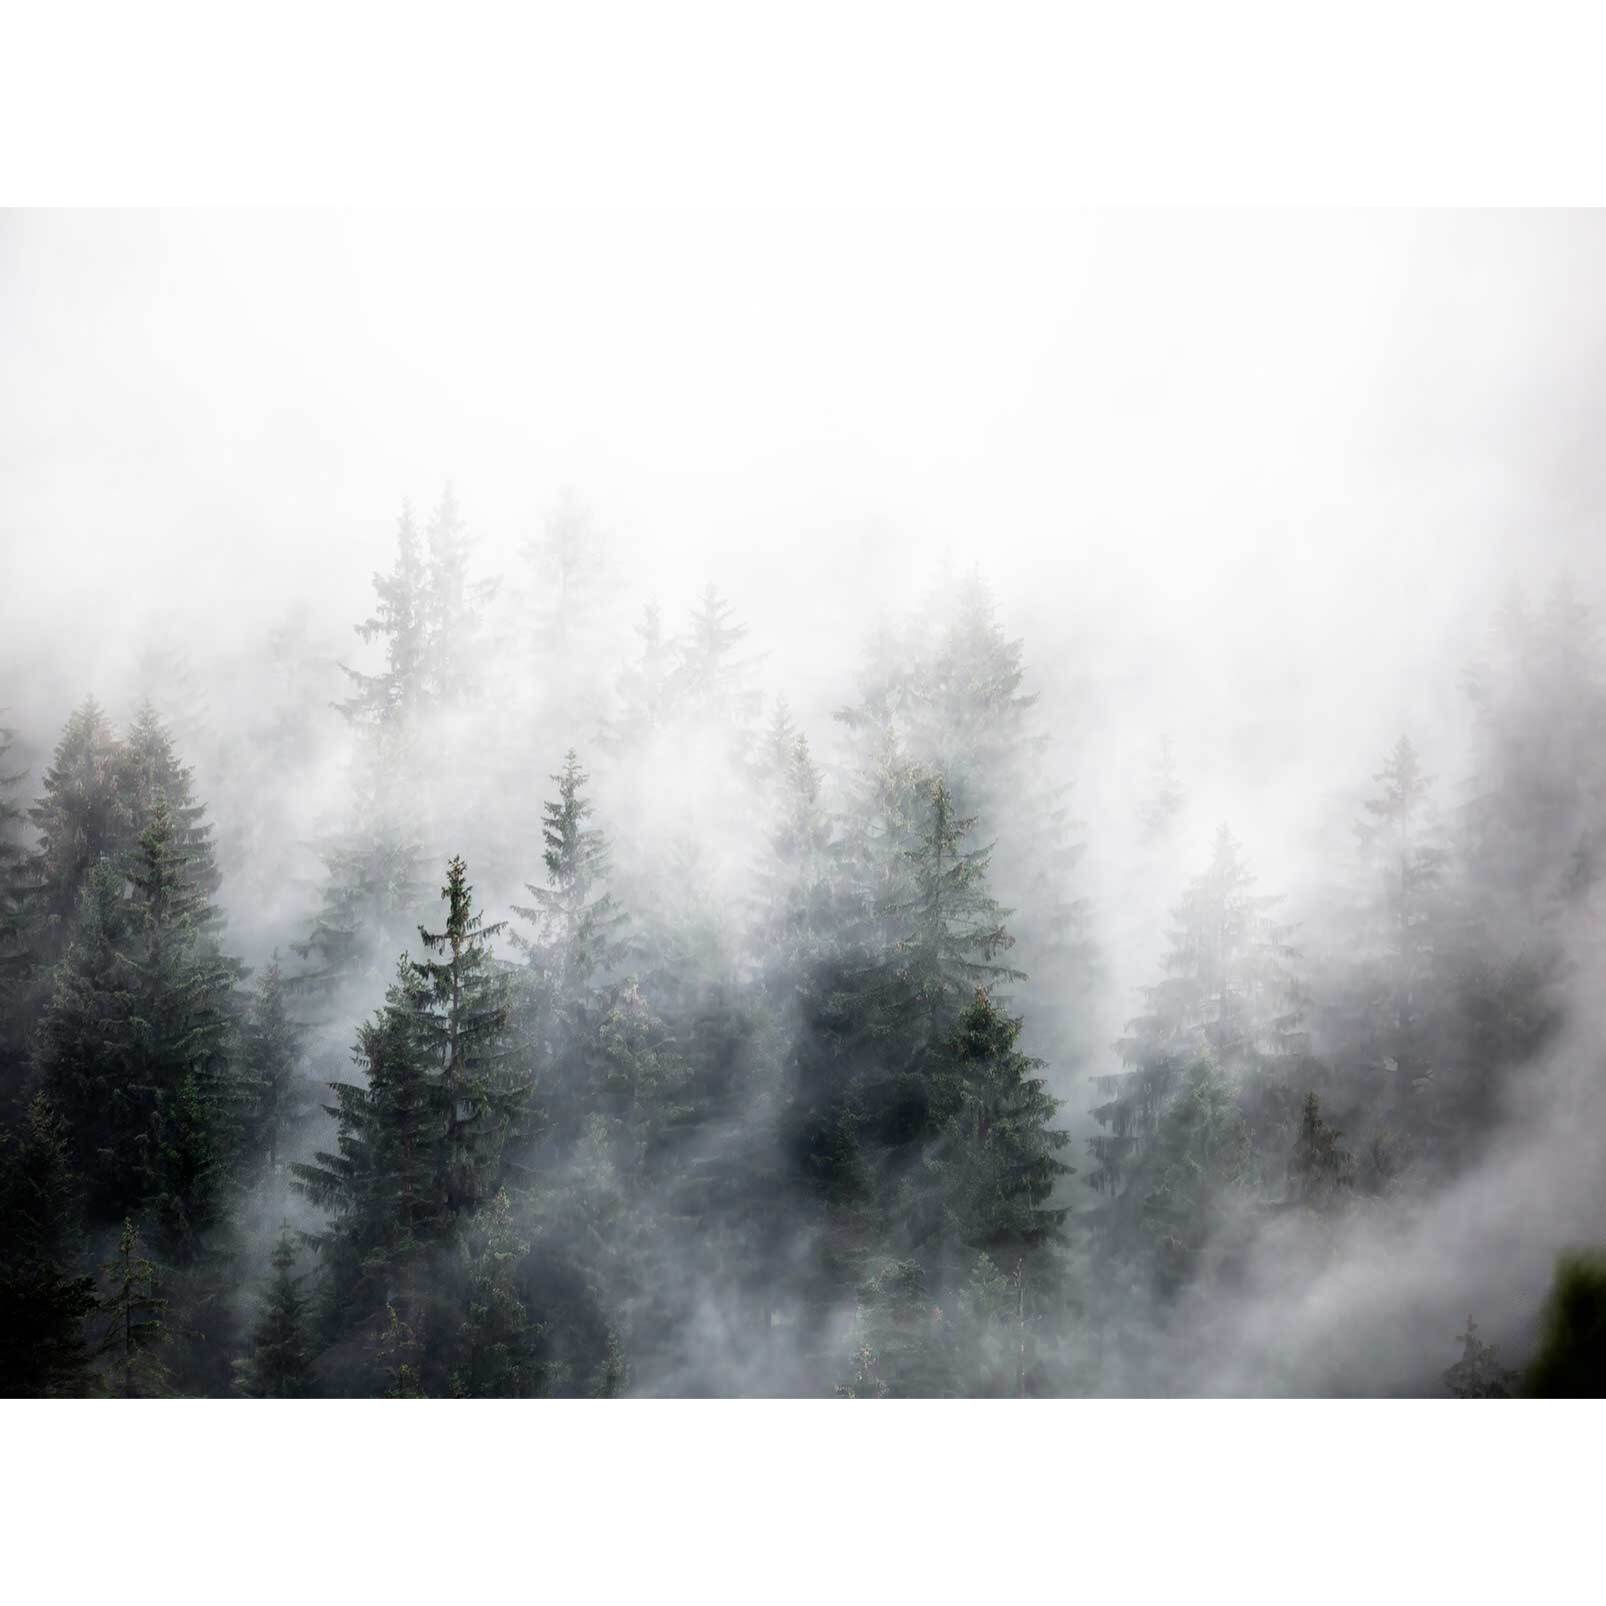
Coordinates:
(1255,482)
(1246,479)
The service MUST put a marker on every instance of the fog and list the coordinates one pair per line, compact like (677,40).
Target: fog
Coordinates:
(1253,484)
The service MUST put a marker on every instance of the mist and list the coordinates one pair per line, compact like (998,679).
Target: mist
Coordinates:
(1265,491)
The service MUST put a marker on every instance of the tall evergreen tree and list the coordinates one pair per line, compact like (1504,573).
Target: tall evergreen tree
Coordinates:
(136,1335)
(86,1053)
(460,1010)
(497,1340)
(81,817)
(44,1302)
(646,688)
(384,1184)
(153,774)
(270,1071)
(181,1019)
(1227,994)
(278,1365)
(392,699)
(576,918)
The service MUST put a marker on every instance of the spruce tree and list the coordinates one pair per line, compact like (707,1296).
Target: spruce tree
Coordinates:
(710,684)
(1227,994)
(419,1144)
(460,1013)
(44,1302)
(391,700)
(181,1020)
(270,1071)
(81,818)
(453,606)
(576,918)
(497,1339)
(646,688)
(1320,1168)
(998,1155)
(134,1312)
(278,1365)
(86,1052)
(151,773)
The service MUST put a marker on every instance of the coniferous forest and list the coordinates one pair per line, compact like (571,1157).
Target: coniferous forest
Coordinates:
(520,990)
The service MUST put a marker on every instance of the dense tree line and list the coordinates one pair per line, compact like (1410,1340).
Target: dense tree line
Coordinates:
(649,1133)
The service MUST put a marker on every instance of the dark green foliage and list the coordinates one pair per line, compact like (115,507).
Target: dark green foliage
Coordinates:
(497,1338)
(44,1303)
(384,1185)
(278,1365)
(86,1051)
(459,1013)
(900,1348)
(134,1313)
(420,1143)
(997,1154)
(81,818)
(152,776)
(180,1023)
(1570,1363)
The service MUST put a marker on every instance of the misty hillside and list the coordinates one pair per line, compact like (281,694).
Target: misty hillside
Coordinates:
(573,832)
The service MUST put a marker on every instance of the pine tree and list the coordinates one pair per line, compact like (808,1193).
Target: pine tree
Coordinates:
(575,917)
(43,1301)
(391,700)
(384,1185)
(1227,995)
(181,1019)
(497,1337)
(1386,1004)
(947,695)
(998,1155)
(419,1144)
(135,1315)
(279,1365)
(14,1024)
(151,774)
(646,688)
(453,606)
(164,681)
(1201,1156)
(567,623)
(81,818)
(950,928)
(1478,1375)
(11,823)
(86,1054)
(270,1063)
(709,683)
(460,1011)
(1319,1167)
(371,894)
